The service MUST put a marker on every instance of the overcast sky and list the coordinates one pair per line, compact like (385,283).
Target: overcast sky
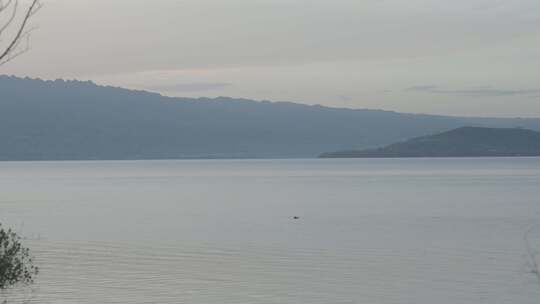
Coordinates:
(459,57)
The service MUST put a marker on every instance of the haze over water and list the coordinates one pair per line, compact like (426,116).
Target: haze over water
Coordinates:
(369,231)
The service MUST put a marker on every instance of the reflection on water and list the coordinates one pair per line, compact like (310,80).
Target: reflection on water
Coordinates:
(369,231)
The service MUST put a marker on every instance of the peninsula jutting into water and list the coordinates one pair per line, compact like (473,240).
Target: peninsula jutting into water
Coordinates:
(460,142)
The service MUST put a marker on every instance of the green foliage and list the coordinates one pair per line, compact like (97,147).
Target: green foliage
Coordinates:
(16,264)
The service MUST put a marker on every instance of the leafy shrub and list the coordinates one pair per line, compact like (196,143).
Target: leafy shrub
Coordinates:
(16,265)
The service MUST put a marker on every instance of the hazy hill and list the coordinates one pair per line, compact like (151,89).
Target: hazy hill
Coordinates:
(461,142)
(51,120)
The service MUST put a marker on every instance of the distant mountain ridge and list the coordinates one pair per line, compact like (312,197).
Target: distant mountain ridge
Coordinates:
(74,120)
(460,142)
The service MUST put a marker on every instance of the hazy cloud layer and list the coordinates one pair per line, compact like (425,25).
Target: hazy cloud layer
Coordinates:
(189,87)
(474,92)
(304,50)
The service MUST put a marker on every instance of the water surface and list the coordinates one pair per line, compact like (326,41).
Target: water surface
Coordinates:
(369,231)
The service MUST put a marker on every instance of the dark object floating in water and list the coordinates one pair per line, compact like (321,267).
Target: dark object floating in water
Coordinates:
(296,217)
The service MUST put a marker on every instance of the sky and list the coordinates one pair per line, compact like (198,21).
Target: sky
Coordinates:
(459,57)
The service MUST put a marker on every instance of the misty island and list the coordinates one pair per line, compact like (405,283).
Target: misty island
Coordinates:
(460,142)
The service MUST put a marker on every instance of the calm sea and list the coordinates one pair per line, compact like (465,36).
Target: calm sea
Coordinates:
(417,231)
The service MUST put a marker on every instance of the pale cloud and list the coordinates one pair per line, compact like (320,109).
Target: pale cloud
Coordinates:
(475,92)
(189,87)
(310,51)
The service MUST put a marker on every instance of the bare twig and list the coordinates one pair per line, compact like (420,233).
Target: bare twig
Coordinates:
(25,37)
(532,253)
(3,8)
(12,49)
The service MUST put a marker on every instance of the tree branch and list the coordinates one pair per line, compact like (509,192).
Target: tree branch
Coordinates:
(11,50)
(532,253)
